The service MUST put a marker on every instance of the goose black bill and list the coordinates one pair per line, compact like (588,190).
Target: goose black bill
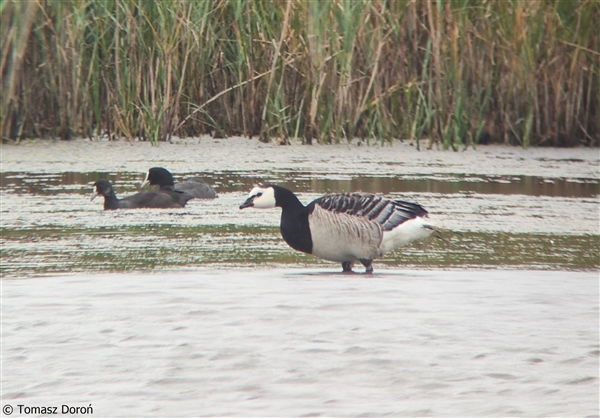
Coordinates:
(248,203)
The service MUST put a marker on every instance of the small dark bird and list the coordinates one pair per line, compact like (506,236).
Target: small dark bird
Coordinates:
(192,188)
(344,227)
(155,200)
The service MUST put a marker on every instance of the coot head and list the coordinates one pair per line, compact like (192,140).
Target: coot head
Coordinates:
(102,188)
(160,176)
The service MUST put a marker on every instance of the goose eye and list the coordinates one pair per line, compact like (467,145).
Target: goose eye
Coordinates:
(259,194)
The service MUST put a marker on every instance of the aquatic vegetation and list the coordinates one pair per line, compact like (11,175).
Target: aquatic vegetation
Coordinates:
(449,74)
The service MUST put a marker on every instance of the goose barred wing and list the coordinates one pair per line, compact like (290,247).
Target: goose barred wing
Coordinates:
(386,212)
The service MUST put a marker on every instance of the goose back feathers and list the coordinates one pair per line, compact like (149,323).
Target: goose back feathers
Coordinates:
(345,227)
(387,213)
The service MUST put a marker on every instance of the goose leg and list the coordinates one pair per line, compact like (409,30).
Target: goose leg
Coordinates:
(368,266)
(347,267)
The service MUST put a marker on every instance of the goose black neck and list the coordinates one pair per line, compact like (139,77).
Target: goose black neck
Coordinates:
(294,224)
(286,199)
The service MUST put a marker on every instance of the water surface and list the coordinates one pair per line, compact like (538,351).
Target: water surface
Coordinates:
(205,311)
(513,208)
(298,342)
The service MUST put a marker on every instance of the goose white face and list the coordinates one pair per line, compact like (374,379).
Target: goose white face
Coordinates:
(261,198)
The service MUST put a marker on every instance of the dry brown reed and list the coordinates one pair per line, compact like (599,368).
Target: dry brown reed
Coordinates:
(454,73)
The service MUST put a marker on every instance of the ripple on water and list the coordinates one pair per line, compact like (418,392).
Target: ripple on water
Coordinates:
(513,207)
(211,321)
(226,342)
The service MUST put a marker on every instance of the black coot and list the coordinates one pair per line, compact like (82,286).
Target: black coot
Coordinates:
(156,200)
(193,188)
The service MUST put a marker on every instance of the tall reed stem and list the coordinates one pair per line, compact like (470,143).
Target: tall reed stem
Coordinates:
(451,73)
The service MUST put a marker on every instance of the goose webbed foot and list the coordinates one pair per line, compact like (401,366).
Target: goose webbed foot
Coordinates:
(347,267)
(368,266)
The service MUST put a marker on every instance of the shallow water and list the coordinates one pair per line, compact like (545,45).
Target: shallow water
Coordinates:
(513,208)
(205,311)
(298,342)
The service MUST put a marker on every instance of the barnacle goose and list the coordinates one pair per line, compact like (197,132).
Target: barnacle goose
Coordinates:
(344,227)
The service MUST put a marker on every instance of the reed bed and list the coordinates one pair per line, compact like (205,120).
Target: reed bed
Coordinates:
(439,73)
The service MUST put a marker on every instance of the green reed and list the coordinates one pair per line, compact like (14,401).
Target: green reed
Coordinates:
(451,73)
